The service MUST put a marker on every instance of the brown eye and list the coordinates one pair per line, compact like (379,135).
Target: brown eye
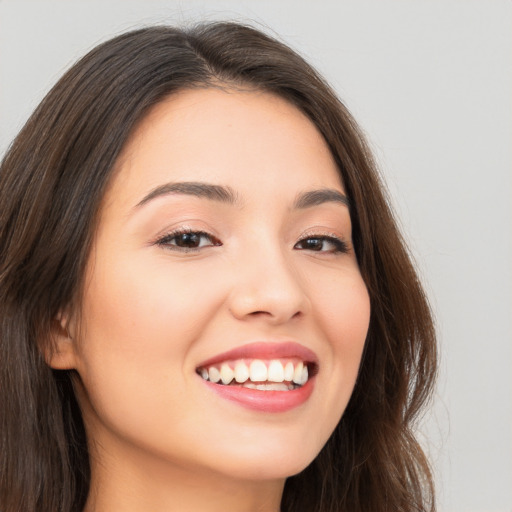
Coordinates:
(188,240)
(322,244)
(311,244)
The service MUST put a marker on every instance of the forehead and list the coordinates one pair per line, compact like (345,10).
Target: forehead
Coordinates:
(240,138)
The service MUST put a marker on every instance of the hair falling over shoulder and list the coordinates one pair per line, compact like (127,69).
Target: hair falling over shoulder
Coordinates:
(52,180)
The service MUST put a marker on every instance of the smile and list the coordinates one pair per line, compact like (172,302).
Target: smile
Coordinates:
(266,377)
(270,375)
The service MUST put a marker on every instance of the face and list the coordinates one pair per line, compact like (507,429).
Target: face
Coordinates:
(224,252)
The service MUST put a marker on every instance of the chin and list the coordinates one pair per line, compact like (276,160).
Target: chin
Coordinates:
(268,461)
(270,469)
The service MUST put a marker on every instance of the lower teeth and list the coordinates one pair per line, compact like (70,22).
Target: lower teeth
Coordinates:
(273,386)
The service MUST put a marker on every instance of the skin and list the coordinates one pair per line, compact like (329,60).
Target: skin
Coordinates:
(151,313)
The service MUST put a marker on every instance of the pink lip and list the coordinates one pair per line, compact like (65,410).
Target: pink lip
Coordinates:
(264,350)
(264,401)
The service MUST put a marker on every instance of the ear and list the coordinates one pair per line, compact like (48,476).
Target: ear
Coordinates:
(61,353)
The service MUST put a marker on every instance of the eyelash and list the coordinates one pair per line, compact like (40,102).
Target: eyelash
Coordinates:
(340,246)
(165,241)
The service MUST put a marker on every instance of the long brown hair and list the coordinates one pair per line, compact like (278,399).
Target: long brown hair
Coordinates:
(52,180)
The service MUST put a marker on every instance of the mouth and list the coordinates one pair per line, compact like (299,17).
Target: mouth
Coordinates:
(263,375)
(268,377)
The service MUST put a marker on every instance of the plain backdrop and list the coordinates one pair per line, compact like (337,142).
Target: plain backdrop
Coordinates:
(431,84)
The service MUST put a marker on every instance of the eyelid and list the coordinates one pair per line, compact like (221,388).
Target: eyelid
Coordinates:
(320,232)
(177,228)
(163,239)
(323,234)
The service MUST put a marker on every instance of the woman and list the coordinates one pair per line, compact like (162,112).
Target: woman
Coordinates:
(205,302)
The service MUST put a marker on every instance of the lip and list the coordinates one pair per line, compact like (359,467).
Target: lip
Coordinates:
(264,350)
(264,401)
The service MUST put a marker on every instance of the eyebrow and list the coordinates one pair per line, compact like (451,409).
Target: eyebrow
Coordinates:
(225,194)
(192,188)
(317,197)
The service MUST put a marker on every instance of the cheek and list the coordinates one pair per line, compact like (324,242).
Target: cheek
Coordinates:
(352,320)
(138,327)
(344,308)
(344,315)
(141,307)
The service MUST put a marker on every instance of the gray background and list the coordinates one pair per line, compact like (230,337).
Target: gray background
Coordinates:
(431,83)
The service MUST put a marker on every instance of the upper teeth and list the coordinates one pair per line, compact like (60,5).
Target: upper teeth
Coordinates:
(257,371)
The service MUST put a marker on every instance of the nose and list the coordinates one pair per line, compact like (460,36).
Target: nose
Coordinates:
(268,287)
